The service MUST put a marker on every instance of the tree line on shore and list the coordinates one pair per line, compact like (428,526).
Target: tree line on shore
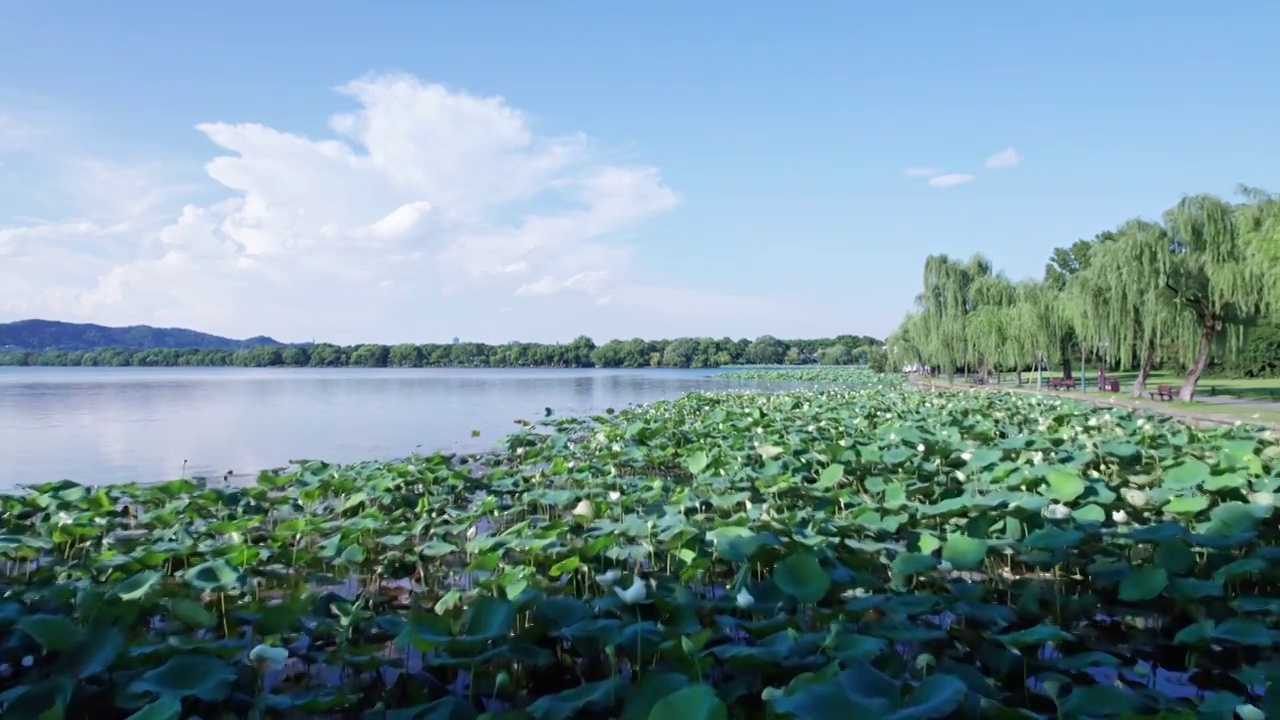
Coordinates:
(581,352)
(1197,289)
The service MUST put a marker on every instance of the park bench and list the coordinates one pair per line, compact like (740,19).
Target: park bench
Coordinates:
(1165,392)
(1062,384)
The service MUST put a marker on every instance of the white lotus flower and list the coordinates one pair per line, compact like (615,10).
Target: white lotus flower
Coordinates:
(584,509)
(920,447)
(1267,499)
(62,518)
(609,578)
(1249,712)
(1056,511)
(1119,516)
(744,599)
(614,496)
(267,656)
(1134,497)
(966,456)
(633,594)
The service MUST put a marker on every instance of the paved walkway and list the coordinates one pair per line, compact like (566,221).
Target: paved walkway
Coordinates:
(1238,405)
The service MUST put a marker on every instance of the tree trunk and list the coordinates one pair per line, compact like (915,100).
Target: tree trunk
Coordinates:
(1207,332)
(1144,372)
(1018,376)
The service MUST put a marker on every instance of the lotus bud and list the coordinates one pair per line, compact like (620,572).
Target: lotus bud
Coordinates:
(584,509)
(966,456)
(920,447)
(270,657)
(609,578)
(1136,498)
(744,599)
(634,594)
(1119,516)
(614,496)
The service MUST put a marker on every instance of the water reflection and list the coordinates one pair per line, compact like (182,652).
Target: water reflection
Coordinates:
(120,424)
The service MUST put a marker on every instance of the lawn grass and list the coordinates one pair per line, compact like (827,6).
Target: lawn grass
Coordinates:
(1251,388)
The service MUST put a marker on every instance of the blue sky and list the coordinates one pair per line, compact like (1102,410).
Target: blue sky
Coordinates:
(386,172)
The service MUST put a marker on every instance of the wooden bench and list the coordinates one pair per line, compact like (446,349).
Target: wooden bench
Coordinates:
(1165,392)
(1062,384)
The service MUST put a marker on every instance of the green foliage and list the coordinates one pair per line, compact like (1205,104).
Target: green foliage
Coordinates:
(581,352)
(872,552)
(1179,292)
(1260,356)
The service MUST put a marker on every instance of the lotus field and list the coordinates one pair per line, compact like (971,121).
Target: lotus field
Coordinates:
(822,555)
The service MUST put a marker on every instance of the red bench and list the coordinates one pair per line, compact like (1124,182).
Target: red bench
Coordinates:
(1062,384)
(1165,392)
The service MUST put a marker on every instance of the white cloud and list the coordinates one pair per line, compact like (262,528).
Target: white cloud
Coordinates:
(921,172)
(1003,159)
(951,179)
(590,283)
(420,216)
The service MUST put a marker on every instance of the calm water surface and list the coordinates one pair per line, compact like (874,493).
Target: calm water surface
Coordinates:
(101,425)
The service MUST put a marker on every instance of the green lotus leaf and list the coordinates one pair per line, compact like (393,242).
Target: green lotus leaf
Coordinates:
(802,577)
(138,585)
(964,552)
(694,702)
(1034,636)
(567,704)
(1064,485)
(1186,475)
(163,708)
(191,675)
(55,633)
(1143,583)
(651,689)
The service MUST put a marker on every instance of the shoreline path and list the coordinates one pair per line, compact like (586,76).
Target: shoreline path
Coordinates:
(1239,406)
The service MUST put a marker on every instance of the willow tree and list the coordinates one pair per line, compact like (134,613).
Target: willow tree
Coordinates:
(905,346)
(1259,222)
(1127,307)
(1036,324)
(1064,264)
(945,305)
(1211,269)
(989,327)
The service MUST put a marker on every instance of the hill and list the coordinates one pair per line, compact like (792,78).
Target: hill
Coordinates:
(39,335)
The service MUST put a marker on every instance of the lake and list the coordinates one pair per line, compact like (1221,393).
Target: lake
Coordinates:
(109,425)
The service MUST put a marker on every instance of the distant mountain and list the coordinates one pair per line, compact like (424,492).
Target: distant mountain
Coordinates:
(36,335)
